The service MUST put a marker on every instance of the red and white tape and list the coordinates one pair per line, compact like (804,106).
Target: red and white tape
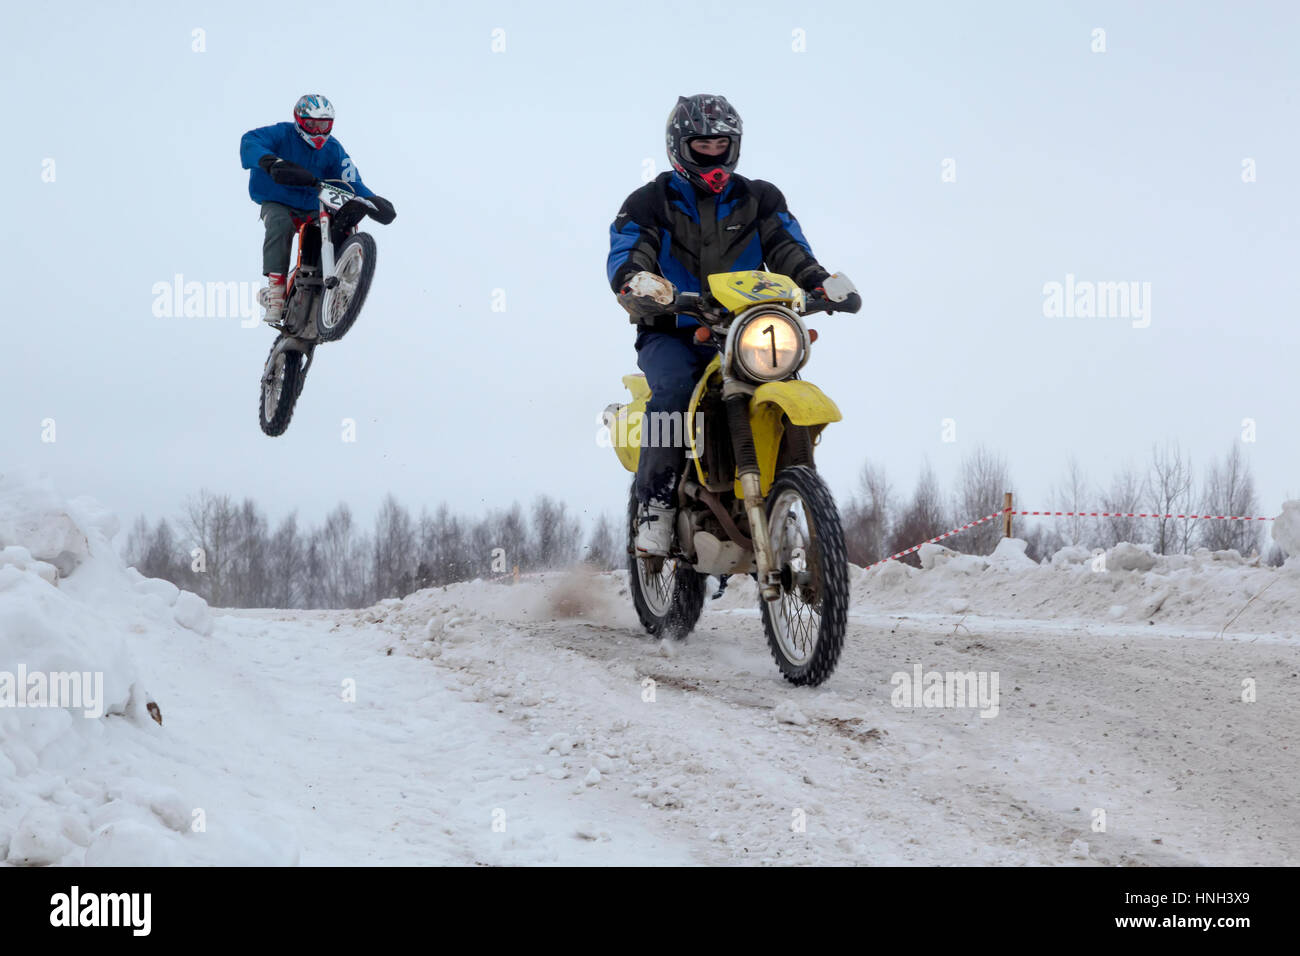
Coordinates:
(1134,514)
(946,534)
(1062,514)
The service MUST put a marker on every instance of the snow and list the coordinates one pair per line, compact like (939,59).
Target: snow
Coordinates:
(1286,529)
(535,723)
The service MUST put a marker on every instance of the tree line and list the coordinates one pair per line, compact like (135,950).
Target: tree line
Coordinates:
(228,552)
(879,522)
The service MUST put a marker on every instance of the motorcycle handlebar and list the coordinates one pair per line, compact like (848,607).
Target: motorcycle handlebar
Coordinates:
(852,303)
(693,302)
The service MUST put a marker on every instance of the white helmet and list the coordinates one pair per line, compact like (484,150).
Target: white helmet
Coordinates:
(314,117)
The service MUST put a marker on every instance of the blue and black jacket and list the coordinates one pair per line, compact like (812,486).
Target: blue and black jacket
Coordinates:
(331,161)
(668,228)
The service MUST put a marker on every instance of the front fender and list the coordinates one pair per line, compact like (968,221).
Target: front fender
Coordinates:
(803,403)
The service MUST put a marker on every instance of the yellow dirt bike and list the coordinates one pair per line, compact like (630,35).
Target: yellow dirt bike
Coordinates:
(751,501)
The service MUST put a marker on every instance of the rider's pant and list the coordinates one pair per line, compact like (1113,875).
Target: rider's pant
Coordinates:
(280,230)
(672,363)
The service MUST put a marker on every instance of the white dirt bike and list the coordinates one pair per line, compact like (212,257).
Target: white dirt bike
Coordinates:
(323,297)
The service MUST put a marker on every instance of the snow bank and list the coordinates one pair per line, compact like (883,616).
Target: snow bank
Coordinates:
(1286,529)
(1127,583)
(71,691)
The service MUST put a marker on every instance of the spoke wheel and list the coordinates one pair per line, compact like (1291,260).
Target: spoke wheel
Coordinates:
(667,592)
(805,627)
(281,385)
(354,268)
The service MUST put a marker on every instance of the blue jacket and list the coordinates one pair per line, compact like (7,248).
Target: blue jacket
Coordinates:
(331,161)
(669,228)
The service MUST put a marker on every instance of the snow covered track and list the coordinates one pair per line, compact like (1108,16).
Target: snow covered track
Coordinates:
(1152,730)
(535,723)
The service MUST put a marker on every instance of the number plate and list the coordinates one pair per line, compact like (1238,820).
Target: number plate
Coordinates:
(333,197)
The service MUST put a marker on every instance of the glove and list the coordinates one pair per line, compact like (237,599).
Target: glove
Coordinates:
(646,294)
(286,173)
(838,288)
(384,212)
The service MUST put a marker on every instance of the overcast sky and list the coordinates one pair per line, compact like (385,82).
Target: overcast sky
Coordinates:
(507,167)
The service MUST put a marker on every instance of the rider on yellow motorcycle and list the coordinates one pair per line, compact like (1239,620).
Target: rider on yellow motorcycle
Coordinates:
(669,237)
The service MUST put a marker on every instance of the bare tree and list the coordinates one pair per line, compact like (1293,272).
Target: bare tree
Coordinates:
(395,550)
(602,550)
(287,566)
(866,519)
(247,578)
(510,533)
(923,518)
(1127,489)
(1074,495)
(313,572)
(137,542)
(210,524)
(443,549)
(1169,491)
(361,580)
(1230,490)
(336,547)
(984,481)
(154,553)
(484,553)
(556,534)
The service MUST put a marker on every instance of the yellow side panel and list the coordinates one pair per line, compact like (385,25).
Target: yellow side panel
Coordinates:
(637,385)
(625,433)
(738,290)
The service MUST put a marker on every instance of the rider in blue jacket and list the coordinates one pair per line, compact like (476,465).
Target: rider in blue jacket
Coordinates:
(284,161)
(669,237)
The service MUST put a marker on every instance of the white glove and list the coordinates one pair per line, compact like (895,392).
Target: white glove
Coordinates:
(647,285)
(838,287)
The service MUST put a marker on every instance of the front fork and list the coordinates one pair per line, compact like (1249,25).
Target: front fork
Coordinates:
(326,250)
(736,396)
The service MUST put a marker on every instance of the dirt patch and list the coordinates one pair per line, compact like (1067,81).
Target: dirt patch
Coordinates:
(849,727)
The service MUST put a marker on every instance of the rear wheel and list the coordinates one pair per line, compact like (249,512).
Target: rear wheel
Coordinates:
(354,268)
(805,626)
(281,385)
(667,592)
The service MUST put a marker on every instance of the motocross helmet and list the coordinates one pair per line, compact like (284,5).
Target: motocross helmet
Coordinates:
(703,116)
(314,117)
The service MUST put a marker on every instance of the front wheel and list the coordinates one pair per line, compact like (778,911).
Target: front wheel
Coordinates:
(354,268)
(281,385)
(805,626)
(667,592)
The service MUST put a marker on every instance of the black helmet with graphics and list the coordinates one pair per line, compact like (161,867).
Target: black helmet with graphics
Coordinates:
(703,116)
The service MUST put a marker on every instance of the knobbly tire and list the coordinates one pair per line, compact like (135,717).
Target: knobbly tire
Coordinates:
(828,567)
(275,407)
(670,605)
(359,244)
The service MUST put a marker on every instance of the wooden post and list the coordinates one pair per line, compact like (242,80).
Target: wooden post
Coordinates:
(1006,517)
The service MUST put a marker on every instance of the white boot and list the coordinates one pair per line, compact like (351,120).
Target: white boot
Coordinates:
(272,299)
(654,529)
